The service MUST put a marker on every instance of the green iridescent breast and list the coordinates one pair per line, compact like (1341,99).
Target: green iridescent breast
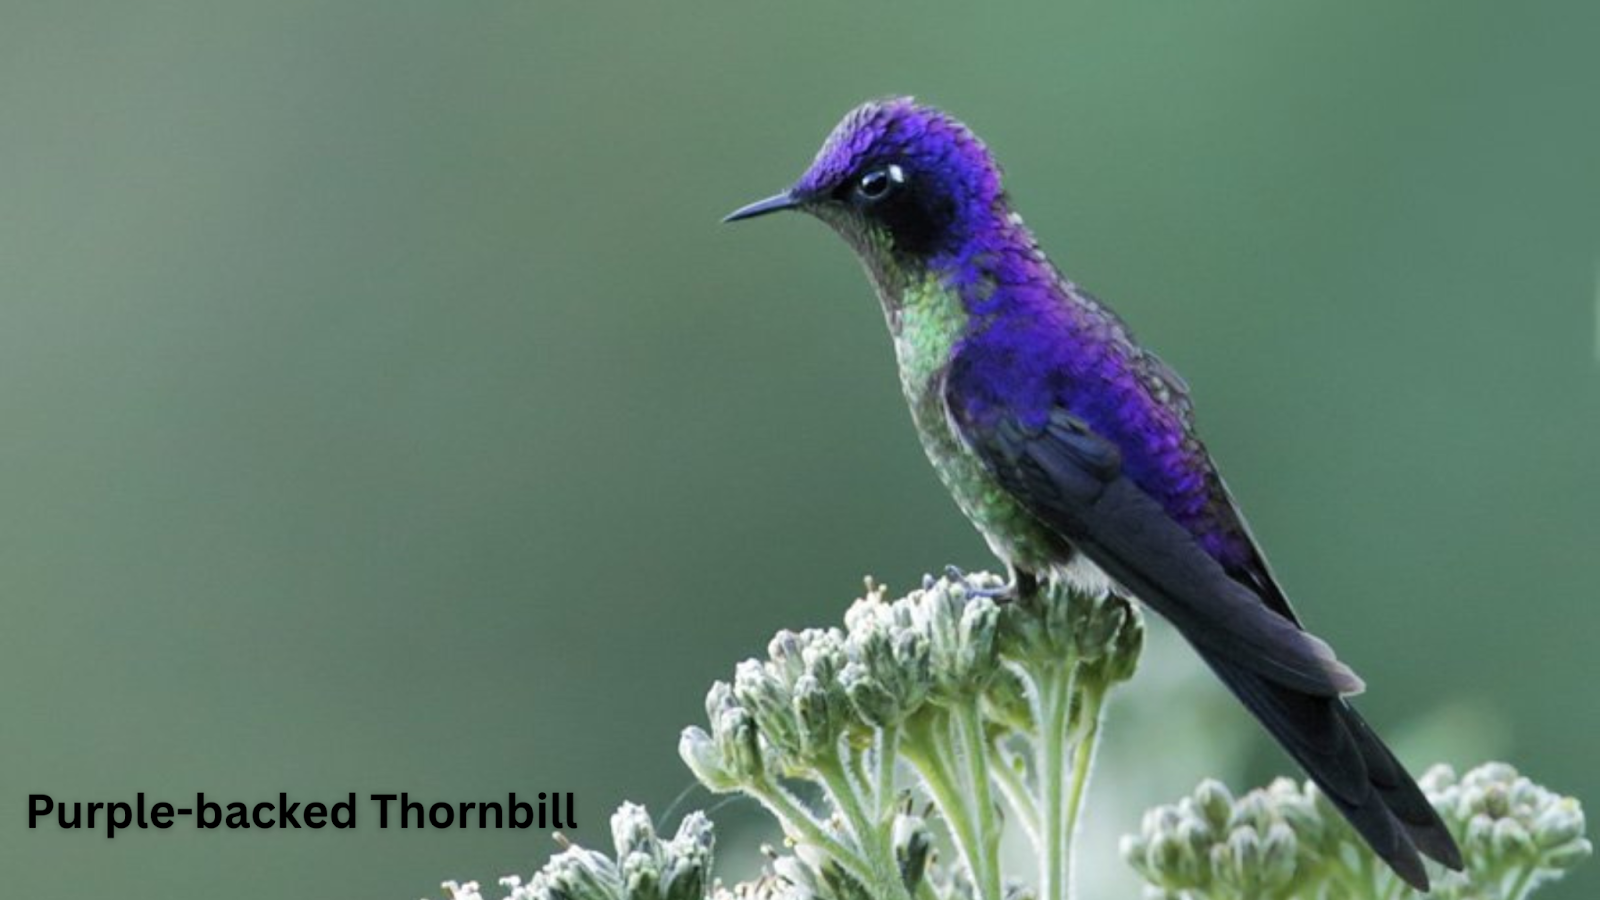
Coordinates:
(927,322)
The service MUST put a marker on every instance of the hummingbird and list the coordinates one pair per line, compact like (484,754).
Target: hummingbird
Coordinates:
(1073,449)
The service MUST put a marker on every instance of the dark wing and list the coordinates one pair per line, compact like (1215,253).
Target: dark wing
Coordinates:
(1252,571)
(1071,479)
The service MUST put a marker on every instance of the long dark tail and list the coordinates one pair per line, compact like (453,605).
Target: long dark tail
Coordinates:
(1351,765)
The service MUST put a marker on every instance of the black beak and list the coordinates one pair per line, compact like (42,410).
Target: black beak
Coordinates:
(785,200)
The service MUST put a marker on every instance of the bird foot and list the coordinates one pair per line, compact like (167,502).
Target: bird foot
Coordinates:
(1002,593)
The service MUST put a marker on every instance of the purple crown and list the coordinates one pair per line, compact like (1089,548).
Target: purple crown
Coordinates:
(898,130)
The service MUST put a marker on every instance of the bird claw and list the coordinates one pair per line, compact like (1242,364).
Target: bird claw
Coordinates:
(1003,593)
(951,573)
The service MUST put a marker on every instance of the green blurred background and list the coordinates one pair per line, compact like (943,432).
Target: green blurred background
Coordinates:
(384,408)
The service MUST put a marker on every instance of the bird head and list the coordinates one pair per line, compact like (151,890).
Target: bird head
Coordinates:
(901,182)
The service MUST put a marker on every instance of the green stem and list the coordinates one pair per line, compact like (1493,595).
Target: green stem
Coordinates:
(1083,763)
(1016,790)
(975,750)
(843,794)
(873,840)
(883,788)
(800,825)
(856,763)
(1054,684)
(1520,888)
(924,748)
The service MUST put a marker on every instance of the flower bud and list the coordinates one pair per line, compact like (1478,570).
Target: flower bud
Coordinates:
(1097,620)
(687,872)
(913,844)
(839,884)
(1278,855)
(797,873)
(1196,836)
(699,752)
(1244,856)
(1006,702)
(1252,810)
(462,891)
(578,874)
(1497,801)
(1568,855)
(1214,803)
(787,660)
(740,745)
(913,666)
(633,832)
(872,701)
(1511,839)
(1132,847)
(1561,822)
(1479,836)
(1164,856)
(1439,778)
(817,716)
(770,706)
(1299,813)
(640,876)
(977,656)
(1127,647)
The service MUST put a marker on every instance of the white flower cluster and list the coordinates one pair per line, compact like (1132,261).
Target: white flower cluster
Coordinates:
(977,701)
(645,866)
(1288,841)
(983,714)
(945,645)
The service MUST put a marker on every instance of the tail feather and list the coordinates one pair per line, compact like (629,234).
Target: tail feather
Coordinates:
(1357,773)
(1401,794)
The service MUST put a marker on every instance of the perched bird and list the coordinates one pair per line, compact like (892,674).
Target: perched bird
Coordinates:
(1073,449)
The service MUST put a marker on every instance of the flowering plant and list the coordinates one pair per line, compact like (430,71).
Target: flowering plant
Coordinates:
(991,713)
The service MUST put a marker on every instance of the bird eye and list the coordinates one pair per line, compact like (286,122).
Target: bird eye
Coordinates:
(876,184)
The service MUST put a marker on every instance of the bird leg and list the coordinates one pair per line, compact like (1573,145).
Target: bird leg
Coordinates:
(1022,584)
